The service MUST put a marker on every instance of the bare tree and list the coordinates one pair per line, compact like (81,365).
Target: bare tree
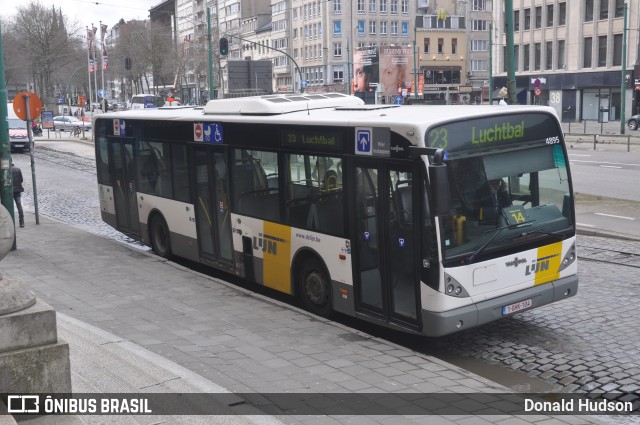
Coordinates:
(47,44)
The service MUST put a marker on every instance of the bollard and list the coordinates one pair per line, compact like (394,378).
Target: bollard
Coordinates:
(628,143)
(585,127)
(595,136)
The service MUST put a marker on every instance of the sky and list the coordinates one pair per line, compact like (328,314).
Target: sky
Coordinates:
(86,12)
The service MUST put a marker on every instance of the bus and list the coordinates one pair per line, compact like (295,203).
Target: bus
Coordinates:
(425,219)
(144,101)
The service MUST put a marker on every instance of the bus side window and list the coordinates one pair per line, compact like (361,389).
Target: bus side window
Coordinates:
(255,191)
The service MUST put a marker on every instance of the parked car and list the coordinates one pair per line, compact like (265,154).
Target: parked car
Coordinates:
(634,122)
(68,123)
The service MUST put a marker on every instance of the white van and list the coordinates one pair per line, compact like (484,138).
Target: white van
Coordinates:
(144,101)
(18,133)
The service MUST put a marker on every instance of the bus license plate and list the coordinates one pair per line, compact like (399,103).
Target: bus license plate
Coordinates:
(513,308)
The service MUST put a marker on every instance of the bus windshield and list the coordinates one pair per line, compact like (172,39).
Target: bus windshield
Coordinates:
(513,193)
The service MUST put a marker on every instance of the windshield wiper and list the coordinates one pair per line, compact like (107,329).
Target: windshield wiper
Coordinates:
(559,235)
(495,235)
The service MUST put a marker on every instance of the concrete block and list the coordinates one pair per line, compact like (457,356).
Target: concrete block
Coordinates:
(33,326)
(43,369)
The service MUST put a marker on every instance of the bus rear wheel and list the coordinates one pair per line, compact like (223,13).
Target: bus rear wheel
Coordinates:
(315,288)
(159,234)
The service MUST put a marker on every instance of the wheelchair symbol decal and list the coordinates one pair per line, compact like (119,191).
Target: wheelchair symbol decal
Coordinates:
(213,133)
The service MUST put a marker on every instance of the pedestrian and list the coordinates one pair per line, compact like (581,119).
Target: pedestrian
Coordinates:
(16,175)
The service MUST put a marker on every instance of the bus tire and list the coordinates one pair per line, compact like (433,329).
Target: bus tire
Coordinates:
(159,235)
(315,288)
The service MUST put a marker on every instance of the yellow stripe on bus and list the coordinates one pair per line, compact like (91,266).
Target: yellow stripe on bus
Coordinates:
(548,263)
(276,259)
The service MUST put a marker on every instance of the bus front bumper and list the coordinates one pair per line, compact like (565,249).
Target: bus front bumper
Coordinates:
(443,323)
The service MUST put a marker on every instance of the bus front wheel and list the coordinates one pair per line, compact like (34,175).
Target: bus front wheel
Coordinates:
(159,234)
(315,288)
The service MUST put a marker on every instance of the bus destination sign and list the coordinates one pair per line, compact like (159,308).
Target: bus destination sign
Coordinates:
(492,131)
(313,139)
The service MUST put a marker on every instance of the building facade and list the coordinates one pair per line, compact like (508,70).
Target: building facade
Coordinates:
(569,55)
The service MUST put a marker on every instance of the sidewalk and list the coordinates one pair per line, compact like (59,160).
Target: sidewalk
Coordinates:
(135,322)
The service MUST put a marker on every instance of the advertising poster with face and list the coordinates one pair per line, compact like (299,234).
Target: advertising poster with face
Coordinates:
(365,69)
(396,68)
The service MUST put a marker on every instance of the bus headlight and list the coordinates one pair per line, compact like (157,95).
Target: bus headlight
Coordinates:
(569,258)
(454,288)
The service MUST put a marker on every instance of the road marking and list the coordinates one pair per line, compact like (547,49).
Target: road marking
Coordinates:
(609,166)
(605,162)
(578,154)
(586,225)
(615,216)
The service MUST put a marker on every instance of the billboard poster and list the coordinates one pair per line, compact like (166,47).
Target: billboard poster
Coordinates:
(365,69)
(396,69)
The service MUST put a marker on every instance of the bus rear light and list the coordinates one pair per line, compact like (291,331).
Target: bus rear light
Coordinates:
(342,256)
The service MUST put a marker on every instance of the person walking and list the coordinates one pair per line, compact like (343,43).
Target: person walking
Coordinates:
(16,176)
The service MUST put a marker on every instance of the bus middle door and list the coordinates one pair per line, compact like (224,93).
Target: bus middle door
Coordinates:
(387,279)
(213,217)
(125,185)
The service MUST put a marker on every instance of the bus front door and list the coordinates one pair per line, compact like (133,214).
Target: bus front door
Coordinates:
(387,277)
(213,219)
(125,188)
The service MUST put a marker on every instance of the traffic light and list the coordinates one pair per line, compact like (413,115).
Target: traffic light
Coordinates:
(224,46)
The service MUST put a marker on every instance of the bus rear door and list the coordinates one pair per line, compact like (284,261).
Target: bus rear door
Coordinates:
(386,273)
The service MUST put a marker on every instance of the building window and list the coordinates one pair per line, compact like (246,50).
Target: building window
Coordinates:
(383,27)
(527,19)
(525,57)
(394,28)
(550,15)
(360,6)
(560,53)
(604,9)
(479,65)
(426,45)
(616,59)
(549,55)
(372,6)
(454,46)
(586,62)
(562,15)
(537,56)
(338,75)
(394,7)
(372,27)
(477,25)
(337,50)
(516,20)
(619,8)
(516,56)
(479,5)
(479,45)
(602,50)
(538,17)
(337,27)
(405,7)
(441,45)
(383,6)
(588,11)
(337,7)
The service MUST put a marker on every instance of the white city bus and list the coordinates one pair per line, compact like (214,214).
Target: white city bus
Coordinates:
(426,219)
